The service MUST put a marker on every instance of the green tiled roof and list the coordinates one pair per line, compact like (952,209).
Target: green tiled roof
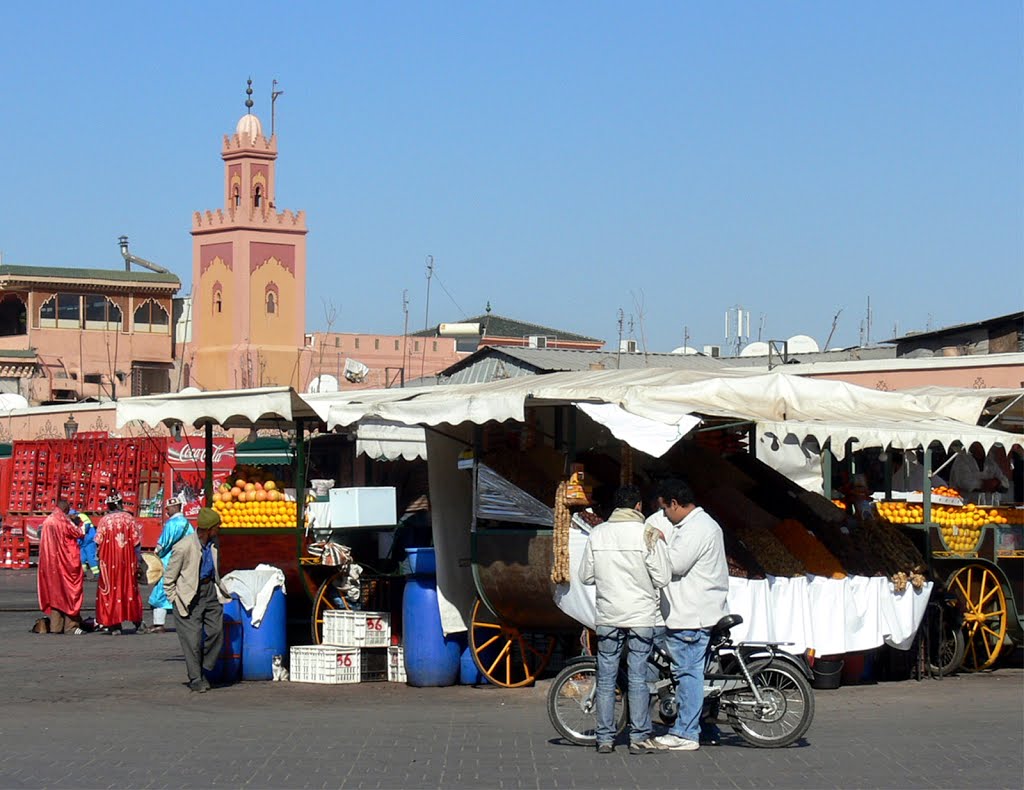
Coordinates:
(70,273)
(500,326)
(17,353)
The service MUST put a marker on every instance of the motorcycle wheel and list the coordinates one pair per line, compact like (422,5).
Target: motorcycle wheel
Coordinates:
(788,711)
(571,704)
(947,651)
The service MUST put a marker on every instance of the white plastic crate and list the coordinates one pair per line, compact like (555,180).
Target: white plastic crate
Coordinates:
(396,665)
(324,664)
(345,628)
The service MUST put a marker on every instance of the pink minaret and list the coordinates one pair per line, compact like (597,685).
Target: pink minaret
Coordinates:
(249,274)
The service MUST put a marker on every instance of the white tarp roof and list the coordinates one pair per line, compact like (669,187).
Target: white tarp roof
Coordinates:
(775,401)
(977,406)
(266,407)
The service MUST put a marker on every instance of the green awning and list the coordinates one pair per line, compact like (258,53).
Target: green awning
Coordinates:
(6,450)
(265,451)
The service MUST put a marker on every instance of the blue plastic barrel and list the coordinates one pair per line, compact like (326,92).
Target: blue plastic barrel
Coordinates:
(228,668)
(431,658)
(469,672)
(261,644)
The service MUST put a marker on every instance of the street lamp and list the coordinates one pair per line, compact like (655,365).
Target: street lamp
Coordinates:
(70,427)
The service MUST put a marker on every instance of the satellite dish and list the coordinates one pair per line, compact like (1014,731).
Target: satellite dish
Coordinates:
(10,401)
(190,391)
(755,349)
(684,350)
(802,344)
(323,383)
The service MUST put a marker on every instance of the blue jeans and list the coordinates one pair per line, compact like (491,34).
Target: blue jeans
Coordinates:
(610,642)
(688,647)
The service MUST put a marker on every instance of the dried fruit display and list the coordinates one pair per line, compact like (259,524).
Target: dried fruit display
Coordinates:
(808,549)
(769,551)
(560,573)
(896,551)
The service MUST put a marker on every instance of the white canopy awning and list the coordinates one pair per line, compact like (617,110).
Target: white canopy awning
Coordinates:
(389,441)
(266,407)
(774,401)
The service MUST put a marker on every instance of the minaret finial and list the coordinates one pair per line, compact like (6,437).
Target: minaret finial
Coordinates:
(248,97)
(488,306)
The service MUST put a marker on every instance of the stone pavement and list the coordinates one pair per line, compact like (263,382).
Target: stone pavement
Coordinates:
(98,711)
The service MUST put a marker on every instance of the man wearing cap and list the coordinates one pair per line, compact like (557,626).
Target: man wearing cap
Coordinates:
(59,580)
(118,541)
(192,585)
(175,528)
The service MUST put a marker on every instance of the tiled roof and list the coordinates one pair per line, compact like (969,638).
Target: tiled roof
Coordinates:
(70,273)
(1017,318)
(17,353)
(500,326)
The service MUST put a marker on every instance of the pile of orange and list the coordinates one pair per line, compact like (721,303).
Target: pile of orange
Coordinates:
(253,504)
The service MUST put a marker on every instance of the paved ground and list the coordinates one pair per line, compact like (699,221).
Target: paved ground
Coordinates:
(98,711)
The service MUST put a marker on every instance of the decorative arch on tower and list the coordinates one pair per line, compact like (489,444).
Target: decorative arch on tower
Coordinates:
(271,298)
(217,298)
(259,189)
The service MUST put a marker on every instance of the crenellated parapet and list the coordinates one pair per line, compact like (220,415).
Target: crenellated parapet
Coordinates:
(221,218)
(243,142)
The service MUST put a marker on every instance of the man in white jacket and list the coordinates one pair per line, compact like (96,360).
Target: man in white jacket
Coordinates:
(693,603)
(628,563)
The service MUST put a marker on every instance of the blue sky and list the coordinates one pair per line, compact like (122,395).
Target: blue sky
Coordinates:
(561,160)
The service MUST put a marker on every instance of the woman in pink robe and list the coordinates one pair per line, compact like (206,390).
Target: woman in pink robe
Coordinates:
(59,581)
(117,594)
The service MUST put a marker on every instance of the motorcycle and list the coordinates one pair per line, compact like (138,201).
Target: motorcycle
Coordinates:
(764,692)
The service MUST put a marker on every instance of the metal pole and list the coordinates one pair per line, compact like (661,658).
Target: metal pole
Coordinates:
(926,487)
(826,468)
(208,430)
(300,478)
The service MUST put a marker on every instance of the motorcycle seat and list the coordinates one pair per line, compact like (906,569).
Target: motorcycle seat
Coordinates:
(725,624)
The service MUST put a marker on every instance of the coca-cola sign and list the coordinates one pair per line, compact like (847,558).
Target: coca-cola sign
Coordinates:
(185,454)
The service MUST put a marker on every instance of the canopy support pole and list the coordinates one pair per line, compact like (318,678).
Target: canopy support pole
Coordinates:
(826,469)
(926,487)
(208,487)
(300,479)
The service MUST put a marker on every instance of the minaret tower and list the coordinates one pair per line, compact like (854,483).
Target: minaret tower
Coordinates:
(249,274)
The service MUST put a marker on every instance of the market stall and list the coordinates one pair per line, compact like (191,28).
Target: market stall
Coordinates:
(596,417)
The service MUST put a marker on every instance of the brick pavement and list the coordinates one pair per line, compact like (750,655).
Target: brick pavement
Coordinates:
(97,711)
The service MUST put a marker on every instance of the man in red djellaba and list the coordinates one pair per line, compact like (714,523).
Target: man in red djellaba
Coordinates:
(118,538)
(60,579)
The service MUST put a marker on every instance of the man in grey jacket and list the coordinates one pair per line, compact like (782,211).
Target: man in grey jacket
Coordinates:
(192,585)
(628,563)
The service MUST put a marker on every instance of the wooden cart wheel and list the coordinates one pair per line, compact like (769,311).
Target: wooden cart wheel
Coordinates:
(328,597)
(504,654)
(984,606)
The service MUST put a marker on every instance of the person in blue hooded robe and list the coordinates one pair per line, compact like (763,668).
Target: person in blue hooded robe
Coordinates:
(87,543)
(175,528)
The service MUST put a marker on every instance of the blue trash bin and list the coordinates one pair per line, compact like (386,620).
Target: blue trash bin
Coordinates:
(261,643)
(228,668)
(431,658)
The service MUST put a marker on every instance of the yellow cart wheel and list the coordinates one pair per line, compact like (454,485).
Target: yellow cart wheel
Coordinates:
(328,597)
(504,654)
(983,603)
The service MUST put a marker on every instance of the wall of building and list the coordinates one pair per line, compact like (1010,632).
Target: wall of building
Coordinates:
(385,355)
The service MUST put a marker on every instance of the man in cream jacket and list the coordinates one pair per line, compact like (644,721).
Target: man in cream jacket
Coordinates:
(628,563)
(192,585)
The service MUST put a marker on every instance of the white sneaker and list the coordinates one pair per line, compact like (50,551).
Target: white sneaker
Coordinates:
(676,744)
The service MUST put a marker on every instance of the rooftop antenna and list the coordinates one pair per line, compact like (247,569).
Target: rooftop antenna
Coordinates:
(274,93)
(248,97)
(868,323)
(760,326)
(618,354)
(835,321)
(405,332)
(426,315)
(737,327)
(686,336)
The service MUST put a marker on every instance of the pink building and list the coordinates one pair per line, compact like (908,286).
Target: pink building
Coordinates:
(391,359)
(68,333)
